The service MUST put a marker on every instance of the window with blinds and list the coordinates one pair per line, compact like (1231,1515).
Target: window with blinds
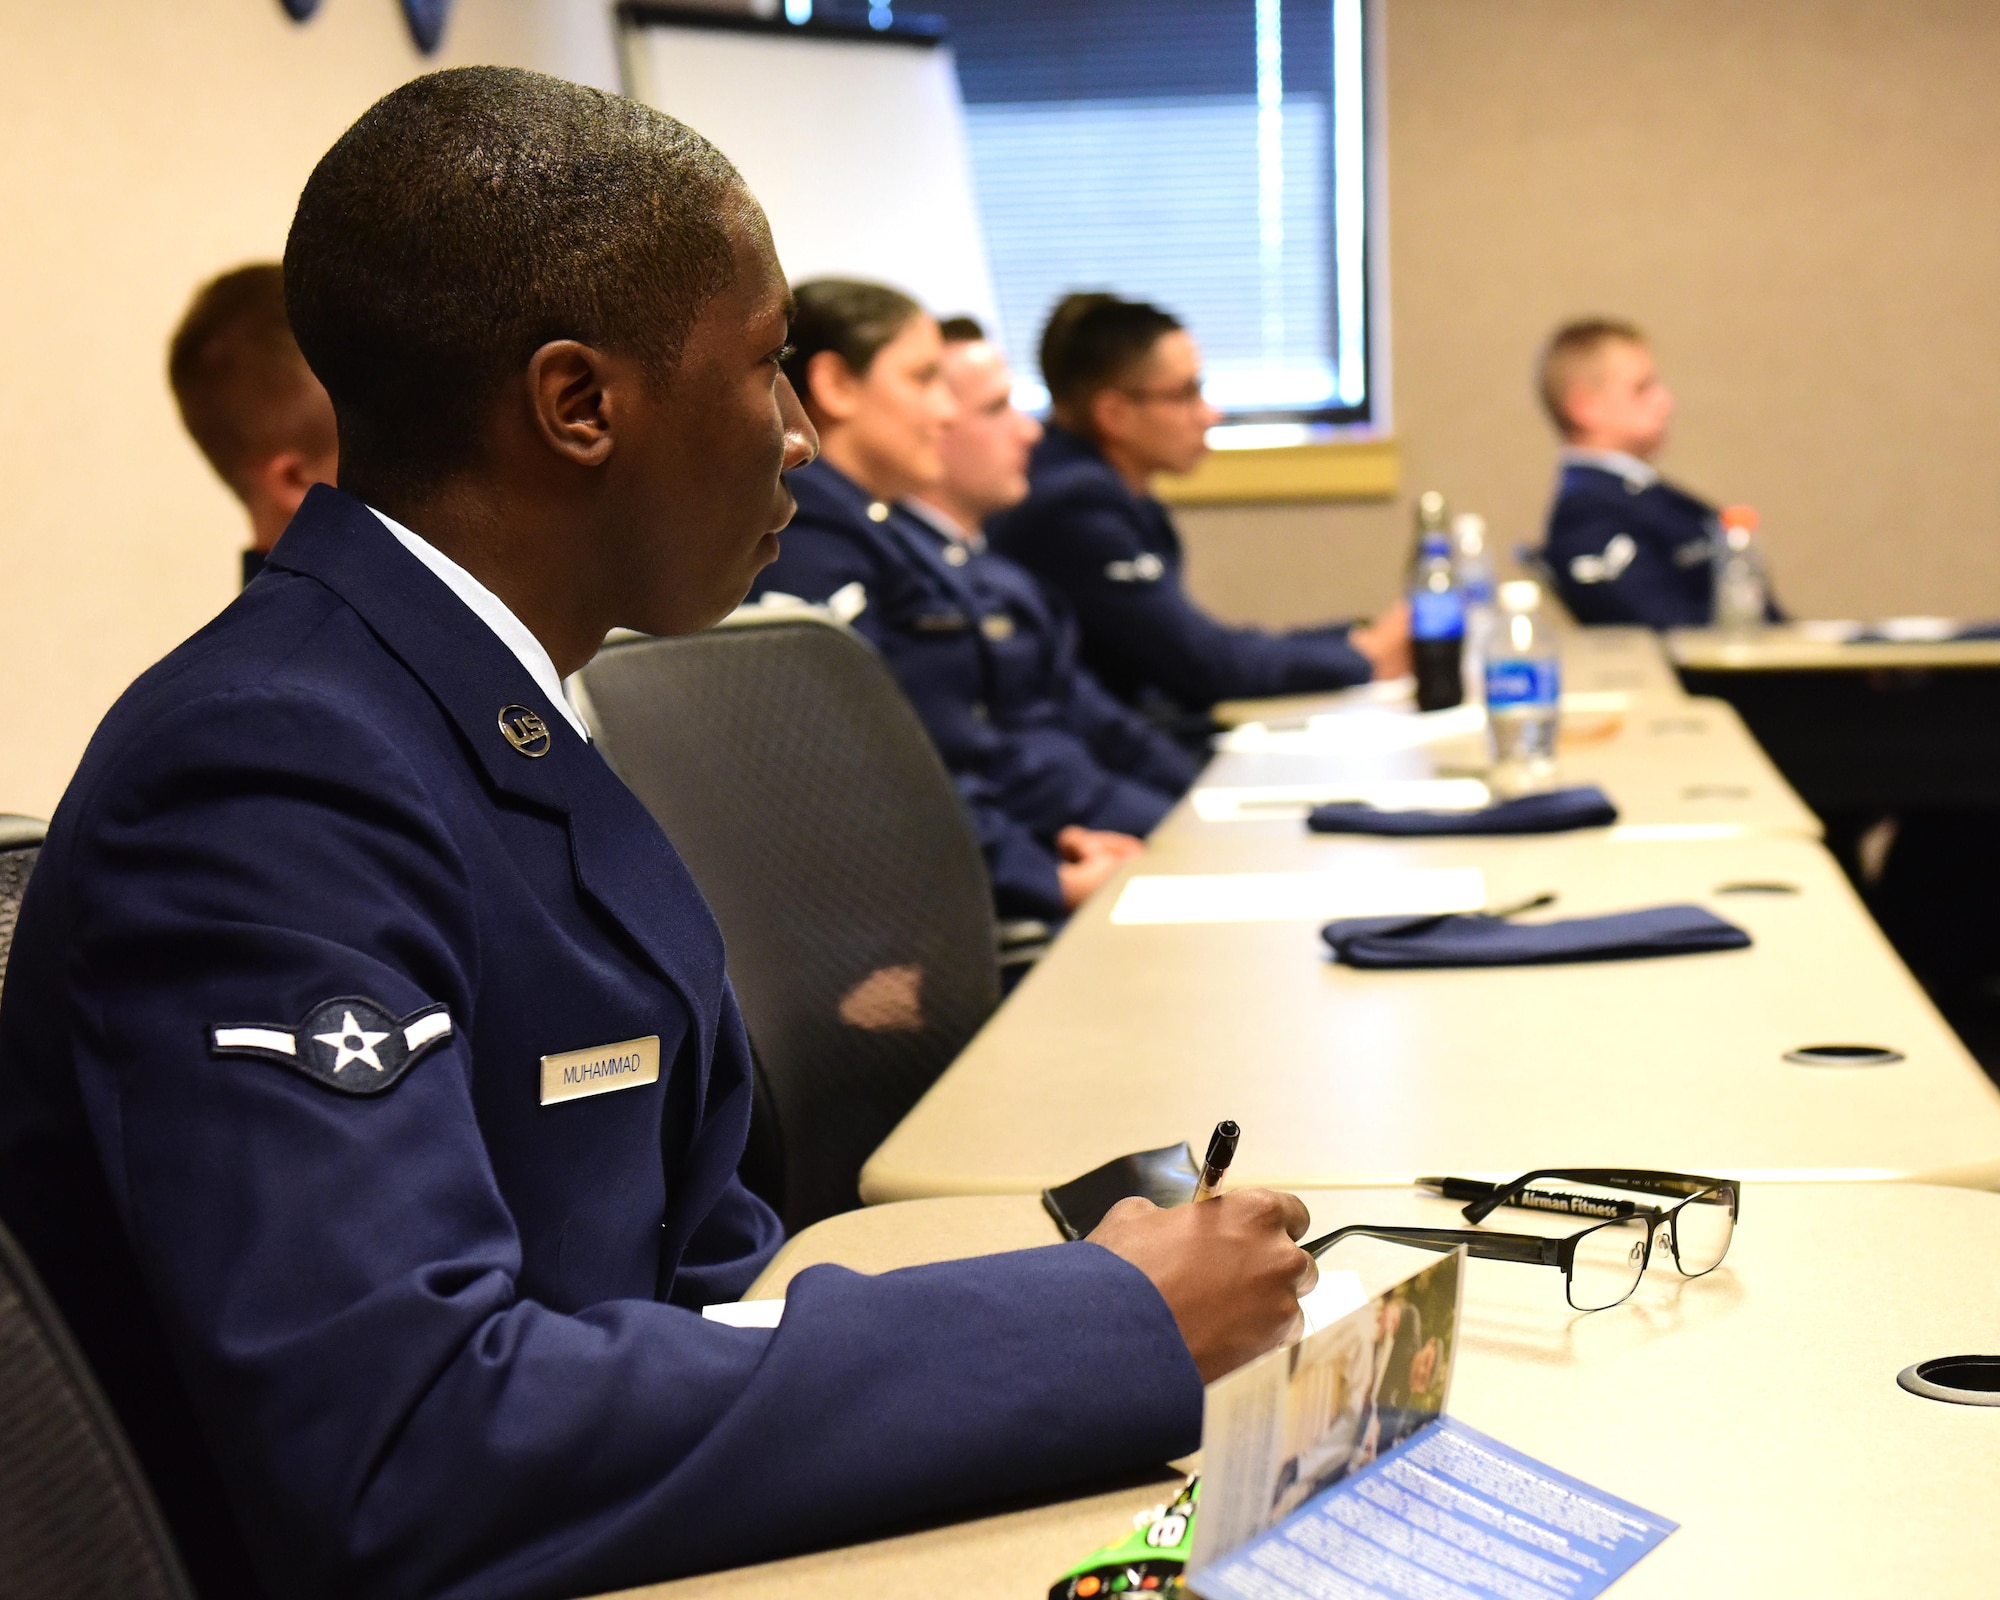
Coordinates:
(1207,155)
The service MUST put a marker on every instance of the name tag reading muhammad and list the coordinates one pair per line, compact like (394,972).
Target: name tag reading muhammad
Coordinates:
(576,1073)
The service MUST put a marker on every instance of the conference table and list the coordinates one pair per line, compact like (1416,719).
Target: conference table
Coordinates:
(1596,662)
(1758,1407)
(1882,724)
(1144,1026)
(1682,768)
(1132,1036)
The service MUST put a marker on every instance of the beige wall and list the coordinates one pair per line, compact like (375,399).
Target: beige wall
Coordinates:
(145,145)
(1799,198)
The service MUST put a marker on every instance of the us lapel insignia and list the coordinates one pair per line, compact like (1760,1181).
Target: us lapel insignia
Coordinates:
(525,730)
(350,1044)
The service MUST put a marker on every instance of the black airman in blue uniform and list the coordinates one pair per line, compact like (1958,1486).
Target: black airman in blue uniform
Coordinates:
(371,1084)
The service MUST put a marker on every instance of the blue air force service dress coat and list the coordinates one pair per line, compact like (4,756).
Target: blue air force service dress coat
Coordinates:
(1632,549)
(335,931)
(1116,557)
(1032,740)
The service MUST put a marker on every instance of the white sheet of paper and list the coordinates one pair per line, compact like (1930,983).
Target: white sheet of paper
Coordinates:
(1266,802)
(746,1313)
(1650,832)
(1299,896)
(1595,702)
(1916,630)
(1337,1293)
(1898,630)
(1364,729)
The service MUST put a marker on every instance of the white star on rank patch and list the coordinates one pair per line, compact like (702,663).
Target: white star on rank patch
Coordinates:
(337,1033)
(345,1052)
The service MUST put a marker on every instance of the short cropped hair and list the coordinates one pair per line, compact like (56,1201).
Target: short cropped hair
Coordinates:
(962,330)
(476,214)
(852,319)
(244,391)
(1571,351)
(1092,342)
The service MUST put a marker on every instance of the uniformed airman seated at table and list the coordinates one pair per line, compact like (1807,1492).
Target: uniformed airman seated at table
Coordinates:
(371,1088)
(1061,780)
(1624,545)
(1125,385)
(250,402)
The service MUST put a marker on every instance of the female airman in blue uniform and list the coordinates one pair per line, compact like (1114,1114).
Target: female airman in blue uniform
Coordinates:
(1037,746)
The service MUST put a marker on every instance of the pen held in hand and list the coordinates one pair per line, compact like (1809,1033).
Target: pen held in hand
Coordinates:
(1215,1166)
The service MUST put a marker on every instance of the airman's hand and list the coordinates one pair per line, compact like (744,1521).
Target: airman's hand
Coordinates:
(1386,641)
(1089,857)
(1230,1269)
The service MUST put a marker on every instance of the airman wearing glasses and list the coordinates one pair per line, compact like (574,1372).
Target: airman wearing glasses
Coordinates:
(1127,403)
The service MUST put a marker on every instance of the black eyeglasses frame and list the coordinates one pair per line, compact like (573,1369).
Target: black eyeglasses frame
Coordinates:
(1528,1249)
(1687,1187)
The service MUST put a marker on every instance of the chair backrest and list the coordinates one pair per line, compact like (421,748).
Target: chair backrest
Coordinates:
(76,1516)
(20,844)
(794,778)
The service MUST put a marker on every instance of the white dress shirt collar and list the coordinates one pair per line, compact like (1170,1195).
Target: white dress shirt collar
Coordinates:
(490,609)
(1636,473)
(942,522)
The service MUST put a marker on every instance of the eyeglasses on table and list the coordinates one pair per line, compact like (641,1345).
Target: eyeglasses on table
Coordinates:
(1601,1265)
(1699,1226)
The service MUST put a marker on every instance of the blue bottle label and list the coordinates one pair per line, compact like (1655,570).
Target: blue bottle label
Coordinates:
(1522,683)
(1436,615)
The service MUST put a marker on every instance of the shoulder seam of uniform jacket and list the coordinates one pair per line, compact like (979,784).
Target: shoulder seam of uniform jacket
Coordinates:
(86,800)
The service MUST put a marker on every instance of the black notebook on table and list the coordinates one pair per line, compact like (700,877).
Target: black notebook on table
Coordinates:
(1167,1177)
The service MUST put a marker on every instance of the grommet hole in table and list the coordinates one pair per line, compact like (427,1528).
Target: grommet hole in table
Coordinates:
(1958,1380)
(1843,1055)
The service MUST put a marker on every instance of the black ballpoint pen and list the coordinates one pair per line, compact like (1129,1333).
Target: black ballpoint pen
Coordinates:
(1221,1151)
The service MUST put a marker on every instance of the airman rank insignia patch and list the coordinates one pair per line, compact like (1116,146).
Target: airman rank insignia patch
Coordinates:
(350,1044)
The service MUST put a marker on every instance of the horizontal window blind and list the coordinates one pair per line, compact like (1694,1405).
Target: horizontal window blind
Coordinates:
(1208,155)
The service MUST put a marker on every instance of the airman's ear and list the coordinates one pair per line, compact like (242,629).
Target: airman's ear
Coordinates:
(833,388)
(1110,414)
(576,395)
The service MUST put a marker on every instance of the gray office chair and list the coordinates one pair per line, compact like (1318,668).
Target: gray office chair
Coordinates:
(785,764)
(76,1516)
(20,844)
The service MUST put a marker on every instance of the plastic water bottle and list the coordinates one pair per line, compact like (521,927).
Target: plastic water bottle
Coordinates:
(1473,569)
(1523,693)
(1437,626)
(1740,592)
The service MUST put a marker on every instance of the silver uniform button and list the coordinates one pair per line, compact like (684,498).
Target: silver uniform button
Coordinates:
(877,511)
(999,627)
(956,555)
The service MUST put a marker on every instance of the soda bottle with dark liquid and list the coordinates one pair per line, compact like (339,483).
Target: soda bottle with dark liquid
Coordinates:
(1437,612)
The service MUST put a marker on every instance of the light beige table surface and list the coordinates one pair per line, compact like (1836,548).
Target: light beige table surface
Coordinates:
(1684,767)
(1789,649)
(1131,1037)
(1616,660)
(1595,661)
(1757,1407)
